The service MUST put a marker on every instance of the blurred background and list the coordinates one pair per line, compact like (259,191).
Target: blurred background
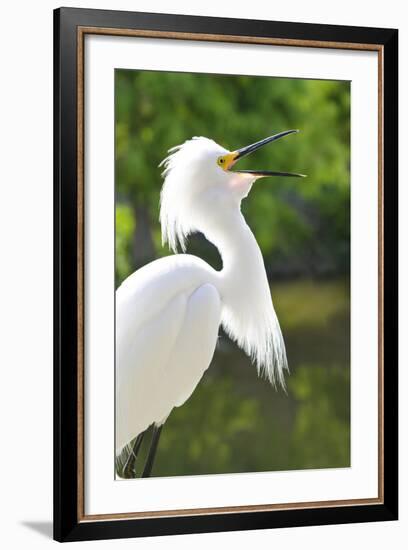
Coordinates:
(234,421)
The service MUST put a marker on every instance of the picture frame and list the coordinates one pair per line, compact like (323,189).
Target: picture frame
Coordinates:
(71,28)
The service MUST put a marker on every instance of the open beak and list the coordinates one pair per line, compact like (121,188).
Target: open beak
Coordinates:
(244,151)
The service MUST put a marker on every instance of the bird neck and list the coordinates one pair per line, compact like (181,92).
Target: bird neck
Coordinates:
(235,242)
(243,266)
(247,315)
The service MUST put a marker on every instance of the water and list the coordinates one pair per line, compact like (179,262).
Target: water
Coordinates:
(236,422)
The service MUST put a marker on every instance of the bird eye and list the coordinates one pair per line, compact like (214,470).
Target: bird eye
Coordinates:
(221,161)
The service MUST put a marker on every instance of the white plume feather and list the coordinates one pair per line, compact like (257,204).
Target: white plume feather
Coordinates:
(182,181)
(248,315)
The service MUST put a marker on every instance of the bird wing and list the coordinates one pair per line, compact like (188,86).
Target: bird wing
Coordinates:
(167,321)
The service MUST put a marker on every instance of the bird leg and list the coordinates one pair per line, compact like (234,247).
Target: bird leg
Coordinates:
(152,451)
(129,469)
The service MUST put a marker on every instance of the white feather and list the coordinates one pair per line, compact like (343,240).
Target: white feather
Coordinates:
(181,185)
(167,318)
(196,196)
(168,313)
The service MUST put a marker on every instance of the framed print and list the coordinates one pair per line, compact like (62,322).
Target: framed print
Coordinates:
(225,274)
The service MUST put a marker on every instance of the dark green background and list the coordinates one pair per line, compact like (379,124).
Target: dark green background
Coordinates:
(234,421)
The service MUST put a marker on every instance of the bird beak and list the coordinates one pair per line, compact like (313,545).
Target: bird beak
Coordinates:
(233,157)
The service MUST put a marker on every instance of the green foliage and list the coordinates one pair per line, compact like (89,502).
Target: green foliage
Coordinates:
(302,226)
(125,226)
(310,303)
(235,421)
(321,428)
(229,421)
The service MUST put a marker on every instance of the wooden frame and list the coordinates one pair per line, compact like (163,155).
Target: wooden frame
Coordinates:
(71,26)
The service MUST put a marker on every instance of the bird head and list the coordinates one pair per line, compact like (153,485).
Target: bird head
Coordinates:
(201,185)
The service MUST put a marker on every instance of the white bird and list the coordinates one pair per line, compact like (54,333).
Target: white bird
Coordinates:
(168,313)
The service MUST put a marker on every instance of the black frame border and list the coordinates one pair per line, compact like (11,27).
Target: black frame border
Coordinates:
(67,527)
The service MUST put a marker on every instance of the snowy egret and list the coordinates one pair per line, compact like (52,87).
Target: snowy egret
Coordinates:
(168,313)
